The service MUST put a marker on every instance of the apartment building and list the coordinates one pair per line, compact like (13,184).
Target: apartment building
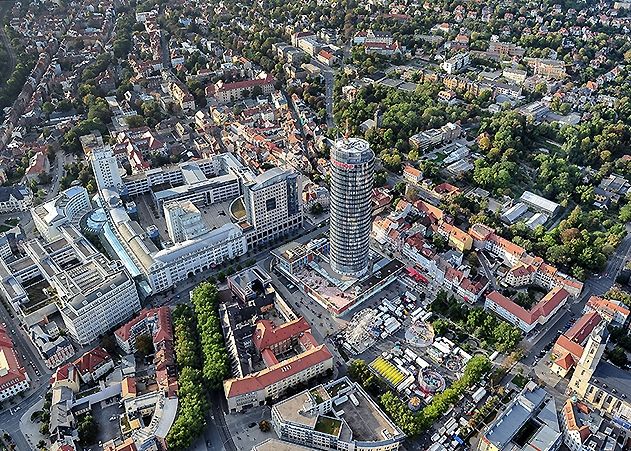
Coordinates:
(224,93)
(15,198)
(310,360)
(13,376)
(525,319)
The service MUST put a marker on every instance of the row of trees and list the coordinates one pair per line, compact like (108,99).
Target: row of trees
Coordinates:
(215,367)
(193,405)
(494,333)
(415,423)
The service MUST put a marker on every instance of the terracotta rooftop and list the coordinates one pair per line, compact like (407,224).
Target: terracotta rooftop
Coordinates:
(273,374)
(544,307)
(12,372)
(92,360)
(266,335)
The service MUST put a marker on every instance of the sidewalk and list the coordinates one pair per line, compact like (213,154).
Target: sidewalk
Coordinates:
(29,429)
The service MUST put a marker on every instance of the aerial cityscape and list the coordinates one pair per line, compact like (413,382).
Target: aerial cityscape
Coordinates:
(322,225)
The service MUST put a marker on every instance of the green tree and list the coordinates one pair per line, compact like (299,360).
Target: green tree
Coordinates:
(144,345)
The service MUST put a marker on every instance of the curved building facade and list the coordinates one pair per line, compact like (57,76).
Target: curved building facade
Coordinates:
(352,169)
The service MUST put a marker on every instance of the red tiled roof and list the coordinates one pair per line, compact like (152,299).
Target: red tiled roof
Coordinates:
(446,188)
(566,361)
(572,423)
(163,331)
(283,370)
(412,171)
(15,372)
(600,304)
(565,344)
(268,357)
(583,327)
(245,84)
(507,245)
(549,302)
(544,307)
(92,360)
(429,209)
(266,335)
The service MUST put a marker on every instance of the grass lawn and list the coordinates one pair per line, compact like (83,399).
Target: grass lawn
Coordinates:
(520,380)
(12,222)
(328,425)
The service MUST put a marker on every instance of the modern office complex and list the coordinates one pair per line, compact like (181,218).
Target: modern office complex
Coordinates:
(336,416)
(70,276)
(529,422)
(352,169)
(184,221)
(67,207)
(272,205)
(262,208)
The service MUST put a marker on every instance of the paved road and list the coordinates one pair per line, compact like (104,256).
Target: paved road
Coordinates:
(57,172)
(329,79)
(594,286)
(10,420)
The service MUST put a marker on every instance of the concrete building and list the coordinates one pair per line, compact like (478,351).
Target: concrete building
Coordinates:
(13,376)
(527,320)
(105,167)
(98,296)
(599,383)
(528,422)
(272,203)
(352,169)
(308,360)
(67,207)
(427,139)
(15,198)
(584,429)
(92,294)
(184,221)
(229,92)
(456,63)
(337,416)
(539,203)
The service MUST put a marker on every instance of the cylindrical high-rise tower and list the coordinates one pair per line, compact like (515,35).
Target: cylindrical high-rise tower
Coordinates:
(352,169)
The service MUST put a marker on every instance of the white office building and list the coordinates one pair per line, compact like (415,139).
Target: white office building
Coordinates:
(67,207)
(105,167)
(92,294)
(183,260)
(272,204)
(98,296)
(184,221)
(337,416)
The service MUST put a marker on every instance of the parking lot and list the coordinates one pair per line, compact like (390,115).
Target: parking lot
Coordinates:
(107,418)
(245,430)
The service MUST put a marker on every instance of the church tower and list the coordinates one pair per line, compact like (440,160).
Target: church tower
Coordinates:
(593,352)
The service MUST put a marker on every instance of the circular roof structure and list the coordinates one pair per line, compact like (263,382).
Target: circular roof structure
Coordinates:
(94,221)
(420,334)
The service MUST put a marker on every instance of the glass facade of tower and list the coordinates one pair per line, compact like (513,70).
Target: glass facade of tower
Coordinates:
(352,169)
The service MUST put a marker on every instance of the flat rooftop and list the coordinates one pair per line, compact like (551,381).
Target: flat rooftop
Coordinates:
(272,444)
(367,422)
(363,422)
